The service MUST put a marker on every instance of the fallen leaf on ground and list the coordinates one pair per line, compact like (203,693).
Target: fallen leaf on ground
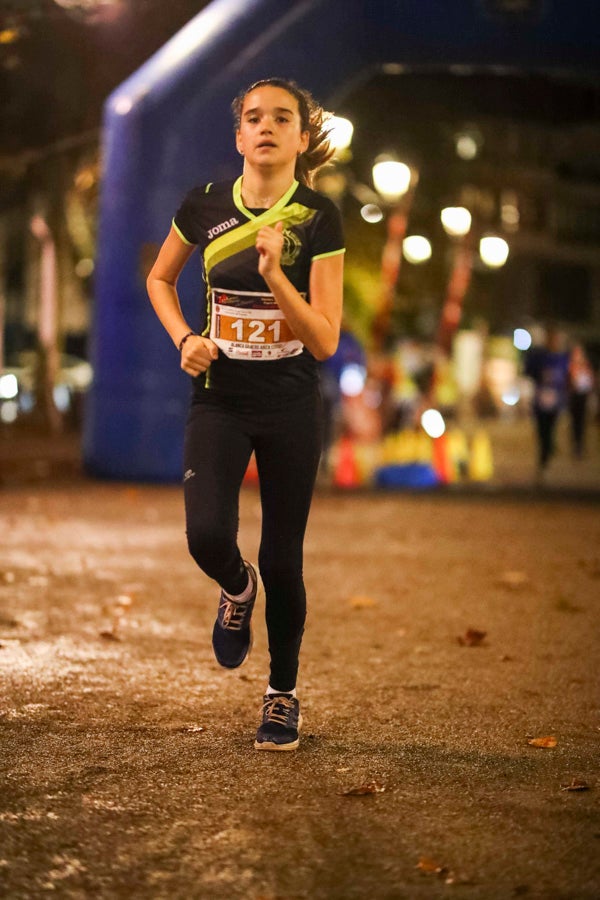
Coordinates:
(514,580)
(362,602)
(190,729)
(577,784)
(344,769)
(109,635)
(544,742)
(472,638)
(563,604)
(432,867)
(371,787)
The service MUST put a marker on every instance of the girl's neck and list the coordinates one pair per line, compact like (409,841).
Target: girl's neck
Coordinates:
(260,191)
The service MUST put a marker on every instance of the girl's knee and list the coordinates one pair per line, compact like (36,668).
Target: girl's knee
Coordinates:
(208,546)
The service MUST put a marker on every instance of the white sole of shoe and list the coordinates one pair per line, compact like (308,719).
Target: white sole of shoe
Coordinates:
(269,745)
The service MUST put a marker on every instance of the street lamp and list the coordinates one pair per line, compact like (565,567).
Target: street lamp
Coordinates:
(468,143)
(339,132)
(416,249)
(395,183)
(493,251)
(371,213)
(456,220)
(391,178)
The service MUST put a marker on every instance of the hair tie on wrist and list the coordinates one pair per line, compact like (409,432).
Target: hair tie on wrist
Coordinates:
(184,339)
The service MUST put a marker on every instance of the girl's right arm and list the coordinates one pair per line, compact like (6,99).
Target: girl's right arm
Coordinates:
(197,352)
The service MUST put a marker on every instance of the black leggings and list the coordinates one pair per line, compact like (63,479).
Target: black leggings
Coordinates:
(546,426)
(219,440)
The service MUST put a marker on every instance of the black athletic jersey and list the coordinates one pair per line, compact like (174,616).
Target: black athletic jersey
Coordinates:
(214,218)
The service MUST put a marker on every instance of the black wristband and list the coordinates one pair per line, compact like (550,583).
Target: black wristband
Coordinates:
(184,339)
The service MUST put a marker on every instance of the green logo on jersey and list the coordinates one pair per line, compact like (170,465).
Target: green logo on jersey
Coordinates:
(292,245)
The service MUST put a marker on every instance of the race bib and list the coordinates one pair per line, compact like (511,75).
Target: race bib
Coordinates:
(249,325)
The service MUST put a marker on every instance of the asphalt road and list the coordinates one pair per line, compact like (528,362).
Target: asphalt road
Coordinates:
(127,760)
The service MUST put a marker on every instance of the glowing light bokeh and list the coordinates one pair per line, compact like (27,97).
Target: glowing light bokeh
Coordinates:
(84,268)
(456,220)
(9,386)
(123,105)
(433,423)
(26,401)
(391,178)
(340,132)
(9,412)
(510,215)
(493,251)
(62,397)
(466,146)
(416,248)
(511,396)
(522,339)
(371,213)
(352,380)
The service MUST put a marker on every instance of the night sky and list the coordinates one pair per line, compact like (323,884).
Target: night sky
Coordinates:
(58,66)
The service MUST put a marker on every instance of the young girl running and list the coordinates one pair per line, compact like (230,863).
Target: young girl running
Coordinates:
(272,253)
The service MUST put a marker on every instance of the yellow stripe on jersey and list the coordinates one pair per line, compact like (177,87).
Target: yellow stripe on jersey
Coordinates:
(237,198)
(244,236)
(181,235)
(331,253)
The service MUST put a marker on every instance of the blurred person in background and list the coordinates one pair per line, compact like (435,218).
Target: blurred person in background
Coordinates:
(548,367)
(349,354)
(581,385)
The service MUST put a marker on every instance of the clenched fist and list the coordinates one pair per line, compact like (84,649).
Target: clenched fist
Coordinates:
(197,354)
(269,243)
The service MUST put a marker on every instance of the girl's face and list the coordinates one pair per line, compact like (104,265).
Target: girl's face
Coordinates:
(270,132)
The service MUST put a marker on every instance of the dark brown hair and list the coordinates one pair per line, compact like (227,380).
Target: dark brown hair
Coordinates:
(313,119)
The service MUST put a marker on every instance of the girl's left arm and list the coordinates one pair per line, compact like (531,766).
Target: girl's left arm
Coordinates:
(316,324)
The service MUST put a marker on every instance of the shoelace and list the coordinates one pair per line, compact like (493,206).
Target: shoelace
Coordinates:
(233,614)
(272,714)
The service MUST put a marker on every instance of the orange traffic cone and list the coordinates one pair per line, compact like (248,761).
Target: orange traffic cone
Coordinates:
(442,463)
(481,464)
(458,450)
(347,472)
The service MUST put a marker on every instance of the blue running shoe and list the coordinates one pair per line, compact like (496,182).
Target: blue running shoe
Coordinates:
(232,632)
(281,723)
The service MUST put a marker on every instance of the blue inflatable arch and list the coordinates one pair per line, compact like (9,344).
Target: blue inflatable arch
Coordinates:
(169,127)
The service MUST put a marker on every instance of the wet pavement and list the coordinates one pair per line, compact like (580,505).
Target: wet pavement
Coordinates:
(127,764)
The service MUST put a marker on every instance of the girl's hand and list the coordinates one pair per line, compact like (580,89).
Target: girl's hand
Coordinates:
(269,243)
(197,354)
